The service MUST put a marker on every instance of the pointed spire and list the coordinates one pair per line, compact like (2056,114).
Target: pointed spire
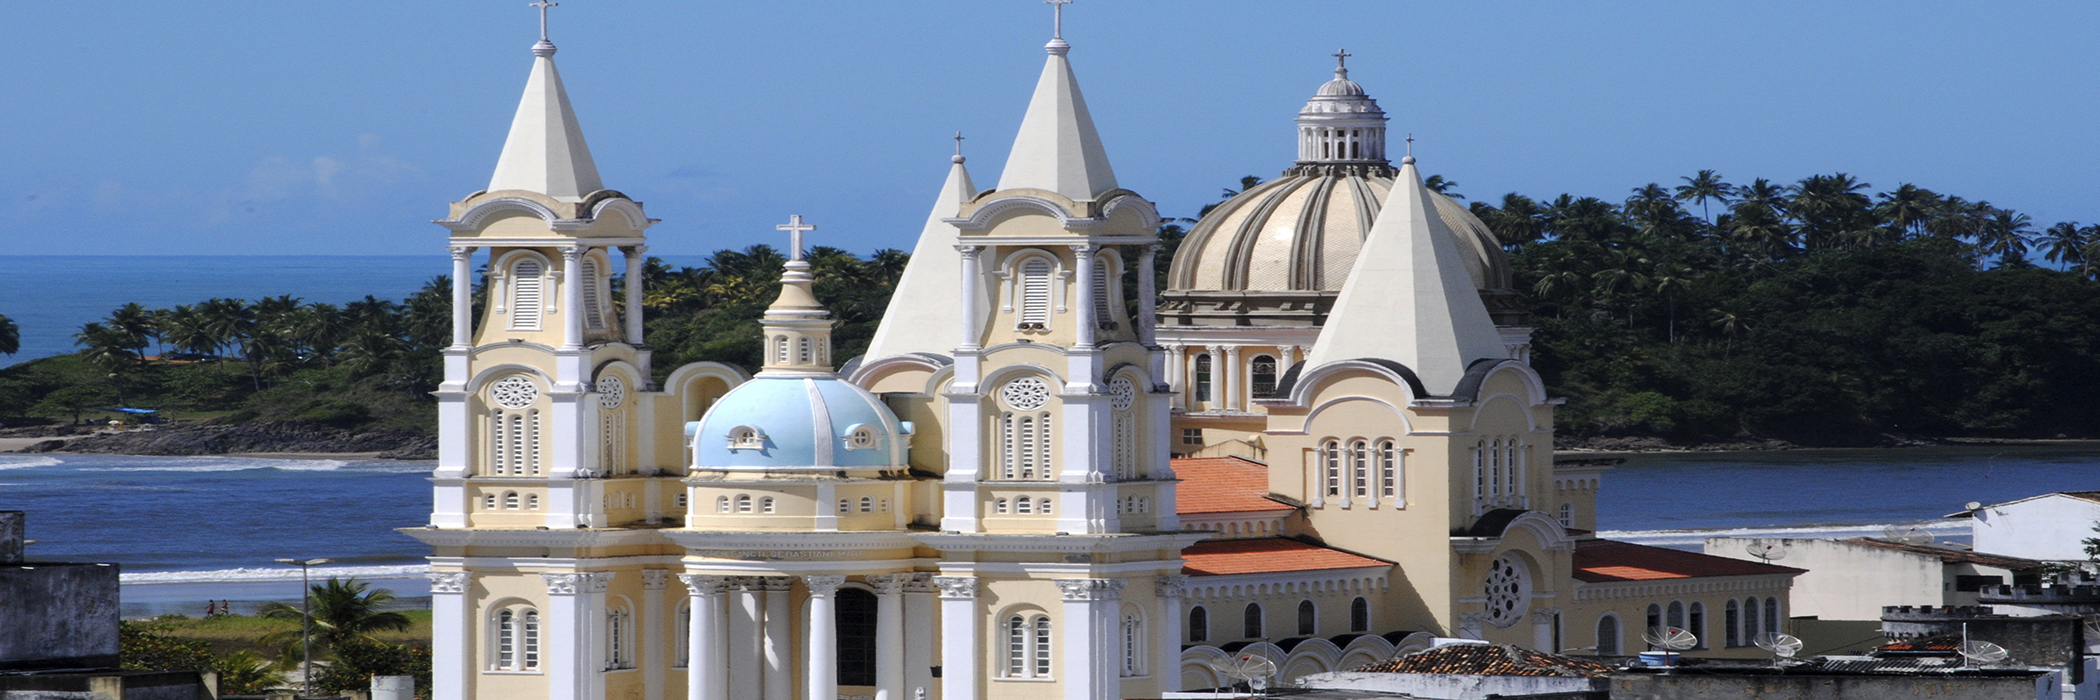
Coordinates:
(1409,298)
(1058,148)
(545,152)
(923,309)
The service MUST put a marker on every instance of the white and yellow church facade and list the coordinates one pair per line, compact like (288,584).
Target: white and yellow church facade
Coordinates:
(986,504)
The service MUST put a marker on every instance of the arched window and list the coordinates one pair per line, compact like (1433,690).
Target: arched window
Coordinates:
(1331,463)
(1263,384)
(593,310)
(1359,469)
(999,506)
(1567,514)
(1035,294)
(1732,623)
(856,636)
(488,502)
(1480,476)
(619,642)
(1024,431)
(1655,616)
(527,295)
(678,501)
(1360,615)
(514,426)
(1042,647)
(780,350)
(1250,624)
(506,639)
(1308,619)
(1016,647)
(1772,615)
(1675,617)
(1389,475)
(845,506)
(532,501)
(802,355)
(510,500)
(530,636)
(1042,505)
(1695,622)
(1202,374)
(722,504)
(765,505)
(1608,635)
(743,503)
(867,504)
(1024,505)
(683,639)
(1750,628)
(1133,638)
(1028,646)
(1199,624)
(1104,314)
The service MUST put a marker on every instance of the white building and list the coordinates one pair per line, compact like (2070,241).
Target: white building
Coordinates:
(2049,527)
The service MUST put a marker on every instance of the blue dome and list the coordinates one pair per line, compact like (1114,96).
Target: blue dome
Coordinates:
(805,423)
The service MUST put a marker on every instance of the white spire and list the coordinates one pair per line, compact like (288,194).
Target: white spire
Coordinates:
(923,310)
(1057,148)
(1409,298)
(545,152)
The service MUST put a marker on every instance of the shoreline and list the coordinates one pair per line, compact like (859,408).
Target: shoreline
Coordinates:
(1585,447)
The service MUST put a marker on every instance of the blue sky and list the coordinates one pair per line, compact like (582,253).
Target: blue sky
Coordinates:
(312,127)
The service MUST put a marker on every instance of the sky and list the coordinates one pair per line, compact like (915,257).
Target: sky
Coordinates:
(344,128)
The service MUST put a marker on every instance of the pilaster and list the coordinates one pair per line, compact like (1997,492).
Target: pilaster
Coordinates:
(1089,620)
(707,666)
(575,603)
(959,632)
(451,634)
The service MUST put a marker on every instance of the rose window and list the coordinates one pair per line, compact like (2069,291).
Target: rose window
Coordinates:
(1508,590)
(1025,394)
(1122,393)
(514,392)
(611,391)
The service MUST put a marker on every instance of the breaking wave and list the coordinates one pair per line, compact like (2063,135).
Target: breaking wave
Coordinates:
(1696,537)
(244,575)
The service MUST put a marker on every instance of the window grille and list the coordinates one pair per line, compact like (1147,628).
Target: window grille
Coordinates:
(1199,624)
(1250,623)
(1202,377)
(1308,618)
(1360,615)
(1263,384)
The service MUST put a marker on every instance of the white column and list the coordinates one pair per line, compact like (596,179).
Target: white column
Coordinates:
(572,297)
(779,644)
(631,278)
(1542,630)
(1089,669)
(1290,357)
(451,635)
(959,627)
(569,638)
(918,635)
(1217,371)
(1085,315)
(1166,632)
(706,665)
(823,635)
(1178,377)
(746,641)
(655,655)
(1148,295)
(462,296)
(972,279)
(889,636)
(1230,370)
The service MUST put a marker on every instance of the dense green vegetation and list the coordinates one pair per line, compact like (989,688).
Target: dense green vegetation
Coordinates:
(1811,312)
(1814,312)
(355,641)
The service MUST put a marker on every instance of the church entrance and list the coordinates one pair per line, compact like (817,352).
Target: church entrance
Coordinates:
(856,635)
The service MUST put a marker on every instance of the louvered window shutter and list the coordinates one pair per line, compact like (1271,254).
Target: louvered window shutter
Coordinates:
(1035,292)
(526,303)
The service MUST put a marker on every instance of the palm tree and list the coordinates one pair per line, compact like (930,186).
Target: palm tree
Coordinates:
(244,673)
(1705,186)
(1439,185)
(1828,206)
(1518,222)
(2006,234)
(2064,244)
(133,323)
(1670,280)
(343,609)
(187,330)
(1247,182)
(1907,208)
(1729,322)
(10,336)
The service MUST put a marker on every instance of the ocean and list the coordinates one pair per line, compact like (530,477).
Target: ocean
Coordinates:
(51,296)
(187,529)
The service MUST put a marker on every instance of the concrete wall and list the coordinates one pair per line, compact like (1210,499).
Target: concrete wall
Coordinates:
(113,685)
(2035,685)
(1848,581)
(58,616)
(2047,528)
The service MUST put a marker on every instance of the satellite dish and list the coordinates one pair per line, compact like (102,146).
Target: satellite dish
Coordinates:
(1983,652)
(1907,534)
(1252,669)
(1784,646)
(1766,552)
(1670,638)
(1973,505)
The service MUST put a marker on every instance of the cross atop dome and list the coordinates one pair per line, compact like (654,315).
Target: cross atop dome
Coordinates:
(1341,62)
(795,229)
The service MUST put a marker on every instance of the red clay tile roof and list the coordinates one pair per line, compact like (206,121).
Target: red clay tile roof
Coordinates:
(1952,556)
(1490,660)
(1222,485)
(1267,555)
(1937,644)
(1600,561)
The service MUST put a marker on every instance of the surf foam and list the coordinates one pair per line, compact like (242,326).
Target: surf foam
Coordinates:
(288,573)
(1696,537)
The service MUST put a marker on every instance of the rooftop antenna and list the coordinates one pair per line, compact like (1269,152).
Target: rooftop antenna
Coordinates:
(1670,638)
(1252,669)
(1766,552)
(1783,646)
(1907,534)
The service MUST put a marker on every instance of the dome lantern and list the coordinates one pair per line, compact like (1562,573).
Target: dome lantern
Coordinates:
(1341,124)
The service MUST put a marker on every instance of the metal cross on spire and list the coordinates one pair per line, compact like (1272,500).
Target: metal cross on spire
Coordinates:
(543,5)
(1057,17)
(1341,59)
(795,228)
(958,143)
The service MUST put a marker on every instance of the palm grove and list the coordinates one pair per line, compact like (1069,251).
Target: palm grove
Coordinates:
(1818,311)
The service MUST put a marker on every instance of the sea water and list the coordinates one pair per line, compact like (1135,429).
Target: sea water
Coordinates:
(188,529)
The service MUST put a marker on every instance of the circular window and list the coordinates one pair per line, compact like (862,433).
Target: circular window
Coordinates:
(1508,590)
(1122,393)
(514,392)
(611,391)
(1025,394)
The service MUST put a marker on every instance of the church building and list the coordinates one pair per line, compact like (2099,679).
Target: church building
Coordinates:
(988,503)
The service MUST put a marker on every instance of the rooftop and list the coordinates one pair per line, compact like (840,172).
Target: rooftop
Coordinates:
(1950,555)
(1603,561)
(1490,660)
(1268,555)
(1223,485)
